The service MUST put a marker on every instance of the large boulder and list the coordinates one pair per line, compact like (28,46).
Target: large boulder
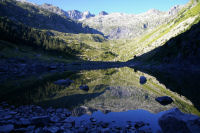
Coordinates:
(143,80)
(164,100)
(174,121)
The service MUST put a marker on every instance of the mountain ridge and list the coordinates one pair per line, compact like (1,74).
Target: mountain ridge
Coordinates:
(118,25)
(37,17)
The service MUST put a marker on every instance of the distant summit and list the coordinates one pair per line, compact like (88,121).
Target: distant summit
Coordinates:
(87,14)
(76,15)
(102,13)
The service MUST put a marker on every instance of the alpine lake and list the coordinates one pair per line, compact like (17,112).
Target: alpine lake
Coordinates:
(113,94)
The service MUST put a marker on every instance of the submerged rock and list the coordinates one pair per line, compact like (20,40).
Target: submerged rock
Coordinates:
(174,121)
(64,82)
(143,80)
(139,124)
(164,100)
(84,87)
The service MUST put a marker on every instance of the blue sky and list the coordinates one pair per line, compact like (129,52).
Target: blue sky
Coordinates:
(123,6)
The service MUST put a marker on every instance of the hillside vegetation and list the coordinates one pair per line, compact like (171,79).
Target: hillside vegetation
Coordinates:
(187,17)
(180,49)
(32,25)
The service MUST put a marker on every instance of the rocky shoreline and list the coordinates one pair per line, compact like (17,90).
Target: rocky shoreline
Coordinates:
(35,119)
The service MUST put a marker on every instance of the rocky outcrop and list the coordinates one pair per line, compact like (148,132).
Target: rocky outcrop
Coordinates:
(77,15)
(174,121)
(74,14)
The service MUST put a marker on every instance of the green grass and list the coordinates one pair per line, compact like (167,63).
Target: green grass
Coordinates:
(126,51)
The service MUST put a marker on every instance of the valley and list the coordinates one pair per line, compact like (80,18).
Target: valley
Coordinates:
(78,71)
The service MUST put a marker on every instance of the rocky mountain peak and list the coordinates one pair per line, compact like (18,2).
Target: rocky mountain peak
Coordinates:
(87,14)
(77,15)
(74,14)
(102,13)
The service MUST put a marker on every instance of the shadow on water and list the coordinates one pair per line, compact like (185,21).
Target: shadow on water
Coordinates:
(183,82)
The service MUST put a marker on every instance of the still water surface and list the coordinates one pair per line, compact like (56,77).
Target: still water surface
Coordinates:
(113,93)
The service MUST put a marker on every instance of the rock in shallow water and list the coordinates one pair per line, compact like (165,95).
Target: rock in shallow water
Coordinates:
(64,82)
(143,80)
(164,100)
(84,87)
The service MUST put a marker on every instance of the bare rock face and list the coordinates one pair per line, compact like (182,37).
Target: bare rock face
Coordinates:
(174,121)
(77,15)
(122,25)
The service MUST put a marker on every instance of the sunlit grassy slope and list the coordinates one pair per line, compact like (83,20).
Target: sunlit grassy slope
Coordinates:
(187,17)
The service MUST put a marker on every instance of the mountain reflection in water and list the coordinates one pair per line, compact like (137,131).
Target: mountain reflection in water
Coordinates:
(110,90)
